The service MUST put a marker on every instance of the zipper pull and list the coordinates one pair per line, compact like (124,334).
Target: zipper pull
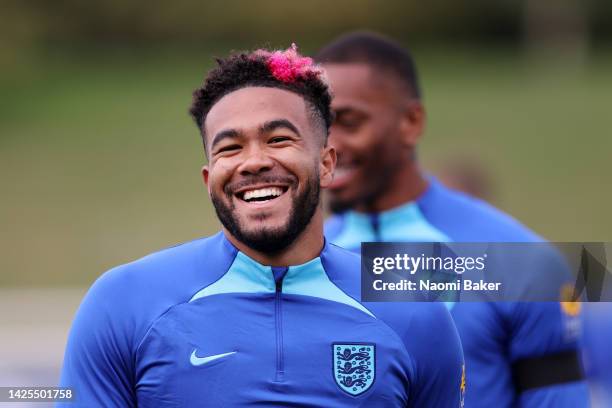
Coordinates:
(279,273)
(375,222)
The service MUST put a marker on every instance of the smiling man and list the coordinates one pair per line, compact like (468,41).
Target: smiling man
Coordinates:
(265,312)
(517,354)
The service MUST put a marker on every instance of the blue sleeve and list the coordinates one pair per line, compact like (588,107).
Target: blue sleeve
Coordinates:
(546,328)
(98,361)
(440,370)
(574,395)
(101,361)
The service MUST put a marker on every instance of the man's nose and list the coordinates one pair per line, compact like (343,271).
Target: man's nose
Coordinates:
(256,161)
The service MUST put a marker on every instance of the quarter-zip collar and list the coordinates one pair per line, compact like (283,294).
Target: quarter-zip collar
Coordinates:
(403,223)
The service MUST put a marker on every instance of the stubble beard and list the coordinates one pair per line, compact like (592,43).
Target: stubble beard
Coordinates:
(272,240)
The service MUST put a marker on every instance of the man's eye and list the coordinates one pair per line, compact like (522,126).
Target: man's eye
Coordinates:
(348,121)
(279,139)
(228,148)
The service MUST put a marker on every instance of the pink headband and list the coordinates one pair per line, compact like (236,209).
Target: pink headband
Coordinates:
(289,66)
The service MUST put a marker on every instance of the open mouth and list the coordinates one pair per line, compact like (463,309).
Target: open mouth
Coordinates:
(344,170)
(260,195)
(343,174)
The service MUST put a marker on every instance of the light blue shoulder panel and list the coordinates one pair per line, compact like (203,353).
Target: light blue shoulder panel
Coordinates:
(310,279)
(245,275)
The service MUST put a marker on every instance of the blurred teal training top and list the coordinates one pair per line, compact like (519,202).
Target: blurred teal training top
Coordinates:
(501,341)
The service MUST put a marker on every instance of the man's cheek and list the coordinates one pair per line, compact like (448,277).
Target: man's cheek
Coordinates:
(211,185)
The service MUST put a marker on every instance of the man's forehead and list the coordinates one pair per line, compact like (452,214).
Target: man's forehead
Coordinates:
(250,107)
(345,78)
(359,85)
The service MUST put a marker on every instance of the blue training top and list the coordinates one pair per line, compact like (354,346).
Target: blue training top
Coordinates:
(202,324)
(494,335)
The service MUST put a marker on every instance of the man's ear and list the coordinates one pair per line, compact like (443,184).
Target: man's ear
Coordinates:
(205,175)
(412,123)
(327,166)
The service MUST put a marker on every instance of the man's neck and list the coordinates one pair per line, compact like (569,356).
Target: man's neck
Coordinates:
(407,185)
(307,246)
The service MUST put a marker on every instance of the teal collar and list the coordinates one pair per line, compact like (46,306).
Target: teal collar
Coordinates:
(246,275)
(400,224)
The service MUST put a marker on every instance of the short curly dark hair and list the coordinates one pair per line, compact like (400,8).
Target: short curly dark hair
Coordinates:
(296,74)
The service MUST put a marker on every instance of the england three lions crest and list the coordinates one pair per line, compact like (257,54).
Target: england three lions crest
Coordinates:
(354,366)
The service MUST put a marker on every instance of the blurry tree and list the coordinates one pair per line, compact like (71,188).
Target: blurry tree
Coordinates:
(32,24)
(559,32)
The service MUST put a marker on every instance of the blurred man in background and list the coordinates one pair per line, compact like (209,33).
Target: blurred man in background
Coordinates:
(264,312)
(379,193)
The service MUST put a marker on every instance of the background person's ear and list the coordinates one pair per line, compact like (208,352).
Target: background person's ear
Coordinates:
(412,123)
(327,166)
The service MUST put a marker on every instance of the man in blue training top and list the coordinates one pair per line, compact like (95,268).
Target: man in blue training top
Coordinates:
(517,354)
(265,312)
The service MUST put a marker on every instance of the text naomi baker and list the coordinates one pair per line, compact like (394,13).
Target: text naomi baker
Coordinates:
(429,285)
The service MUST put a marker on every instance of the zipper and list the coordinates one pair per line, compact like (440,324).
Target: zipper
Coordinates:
(375,221)
(279,274)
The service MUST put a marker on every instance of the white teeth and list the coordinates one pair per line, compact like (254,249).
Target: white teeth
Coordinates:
(343,171)
(263,192)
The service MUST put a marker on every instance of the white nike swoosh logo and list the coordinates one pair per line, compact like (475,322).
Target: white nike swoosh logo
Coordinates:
(198,361)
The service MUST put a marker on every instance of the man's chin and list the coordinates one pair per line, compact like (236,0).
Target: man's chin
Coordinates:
(267,239)
(265,231)
(264,223)
(339,205)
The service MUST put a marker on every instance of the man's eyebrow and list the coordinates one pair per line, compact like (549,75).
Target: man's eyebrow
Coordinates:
(224,134)
(278,124)
(342,110)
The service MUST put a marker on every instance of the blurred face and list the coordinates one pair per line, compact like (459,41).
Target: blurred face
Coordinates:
(368,134)
(266,166)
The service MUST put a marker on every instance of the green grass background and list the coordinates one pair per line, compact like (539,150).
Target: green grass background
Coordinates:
(99,161)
